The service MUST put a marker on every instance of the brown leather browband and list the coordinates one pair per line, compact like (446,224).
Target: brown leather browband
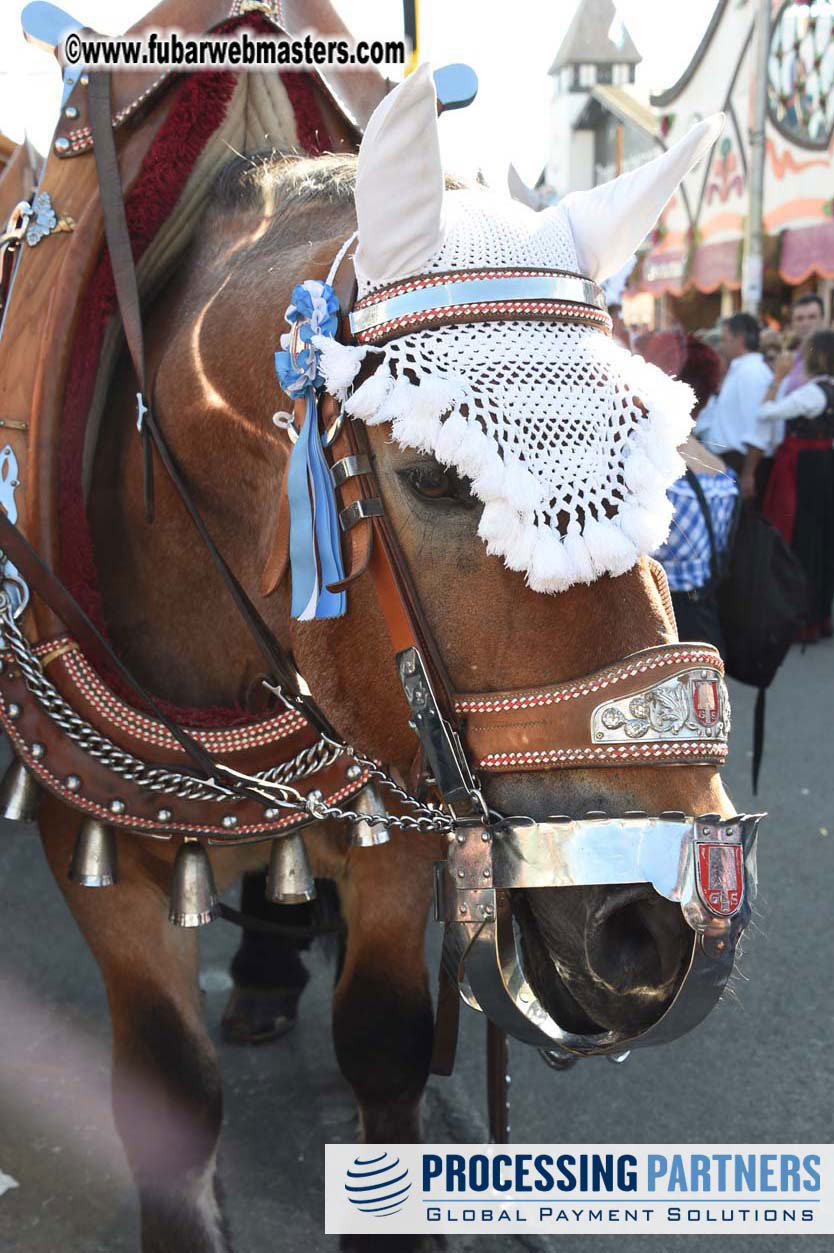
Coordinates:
(574,305)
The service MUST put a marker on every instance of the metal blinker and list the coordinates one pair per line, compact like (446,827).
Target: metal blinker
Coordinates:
(19,794)
(93,862)
(290,880)
(365,834)
(193,893)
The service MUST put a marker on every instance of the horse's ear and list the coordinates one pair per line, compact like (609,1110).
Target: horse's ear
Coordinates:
(399,182)
(610,222)
(519,190)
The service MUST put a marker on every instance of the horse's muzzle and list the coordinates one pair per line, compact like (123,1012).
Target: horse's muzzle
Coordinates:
(705,865)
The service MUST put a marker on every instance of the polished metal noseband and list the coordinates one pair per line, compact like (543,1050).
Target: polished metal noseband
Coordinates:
(707,865)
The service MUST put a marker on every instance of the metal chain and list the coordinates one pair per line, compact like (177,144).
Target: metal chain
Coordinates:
(310,760)
(187,787)
(429,817)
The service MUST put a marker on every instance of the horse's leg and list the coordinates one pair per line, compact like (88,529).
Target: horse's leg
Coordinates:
(167,1098)
(382,1012)
(267,972)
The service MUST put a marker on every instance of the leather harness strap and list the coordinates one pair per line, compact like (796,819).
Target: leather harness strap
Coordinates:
(664,705)
(393,584)
(121,253)
(277,561)
(372,543)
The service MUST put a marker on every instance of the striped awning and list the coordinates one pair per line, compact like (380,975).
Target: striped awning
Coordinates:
(807,250)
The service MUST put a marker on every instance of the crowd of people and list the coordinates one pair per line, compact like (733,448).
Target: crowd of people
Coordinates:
(764,435)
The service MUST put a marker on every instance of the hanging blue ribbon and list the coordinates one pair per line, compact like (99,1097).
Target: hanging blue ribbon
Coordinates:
(315,549)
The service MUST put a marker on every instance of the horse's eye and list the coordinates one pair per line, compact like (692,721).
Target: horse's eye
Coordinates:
(433,482)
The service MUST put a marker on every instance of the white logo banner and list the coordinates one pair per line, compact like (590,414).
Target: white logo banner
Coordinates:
(654,1189)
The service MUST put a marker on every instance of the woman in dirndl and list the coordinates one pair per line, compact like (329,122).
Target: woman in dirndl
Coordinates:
(799,500)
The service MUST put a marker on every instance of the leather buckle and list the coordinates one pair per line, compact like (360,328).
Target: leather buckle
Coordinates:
(359,510)
(349,468)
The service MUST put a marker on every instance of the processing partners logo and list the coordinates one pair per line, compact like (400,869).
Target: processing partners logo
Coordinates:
(584,1189)
(378,1184)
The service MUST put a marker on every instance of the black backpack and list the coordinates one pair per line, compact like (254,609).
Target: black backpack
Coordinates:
(762,602)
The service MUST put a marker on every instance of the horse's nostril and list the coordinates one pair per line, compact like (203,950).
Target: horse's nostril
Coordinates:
(616,899)
(635,940)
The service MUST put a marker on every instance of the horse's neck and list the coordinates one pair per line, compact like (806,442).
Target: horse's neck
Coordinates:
(166,607)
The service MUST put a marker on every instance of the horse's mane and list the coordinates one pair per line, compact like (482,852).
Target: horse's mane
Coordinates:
(287,178)
(290,188)
(304,198)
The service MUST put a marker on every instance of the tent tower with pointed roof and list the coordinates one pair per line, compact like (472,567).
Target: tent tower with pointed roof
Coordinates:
(596,50)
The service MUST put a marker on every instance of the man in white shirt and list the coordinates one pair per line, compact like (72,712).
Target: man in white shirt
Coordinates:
(728,424)
(807,317)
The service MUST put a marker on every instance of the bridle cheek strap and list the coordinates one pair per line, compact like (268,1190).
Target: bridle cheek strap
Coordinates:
(278,558)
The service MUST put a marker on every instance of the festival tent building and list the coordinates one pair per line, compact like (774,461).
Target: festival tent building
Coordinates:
(693,268)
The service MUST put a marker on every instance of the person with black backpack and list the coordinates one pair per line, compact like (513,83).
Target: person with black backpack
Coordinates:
(705,500)
(734,581)
(799,500)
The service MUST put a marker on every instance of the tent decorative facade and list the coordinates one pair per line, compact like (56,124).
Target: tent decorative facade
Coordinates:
(698,243)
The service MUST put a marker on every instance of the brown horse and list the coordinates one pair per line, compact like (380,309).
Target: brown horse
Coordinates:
(600,957)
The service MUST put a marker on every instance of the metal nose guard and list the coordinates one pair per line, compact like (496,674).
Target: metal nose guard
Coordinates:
(706,864)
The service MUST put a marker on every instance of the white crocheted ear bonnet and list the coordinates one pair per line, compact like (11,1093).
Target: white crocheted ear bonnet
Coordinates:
(568,439)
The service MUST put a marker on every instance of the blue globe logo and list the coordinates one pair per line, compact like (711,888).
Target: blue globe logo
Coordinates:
(378,1184)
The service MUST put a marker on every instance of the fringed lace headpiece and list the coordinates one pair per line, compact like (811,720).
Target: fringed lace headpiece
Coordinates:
(488,337)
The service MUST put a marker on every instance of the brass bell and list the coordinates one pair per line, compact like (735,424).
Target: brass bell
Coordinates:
(290,880)
(93,862)
(366,834)
(193,894)
(19,794)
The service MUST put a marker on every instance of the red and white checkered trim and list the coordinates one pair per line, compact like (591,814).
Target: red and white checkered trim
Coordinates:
(481,312)
(708,753)
(148,730)
(586,687)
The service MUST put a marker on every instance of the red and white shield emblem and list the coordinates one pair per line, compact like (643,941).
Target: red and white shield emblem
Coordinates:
(705,701)
(720,874)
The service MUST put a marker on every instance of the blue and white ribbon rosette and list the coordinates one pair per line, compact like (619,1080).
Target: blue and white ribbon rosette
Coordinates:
(315,548)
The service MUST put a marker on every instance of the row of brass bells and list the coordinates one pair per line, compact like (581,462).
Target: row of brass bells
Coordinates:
(19,794)
(364,834)
(193,900)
